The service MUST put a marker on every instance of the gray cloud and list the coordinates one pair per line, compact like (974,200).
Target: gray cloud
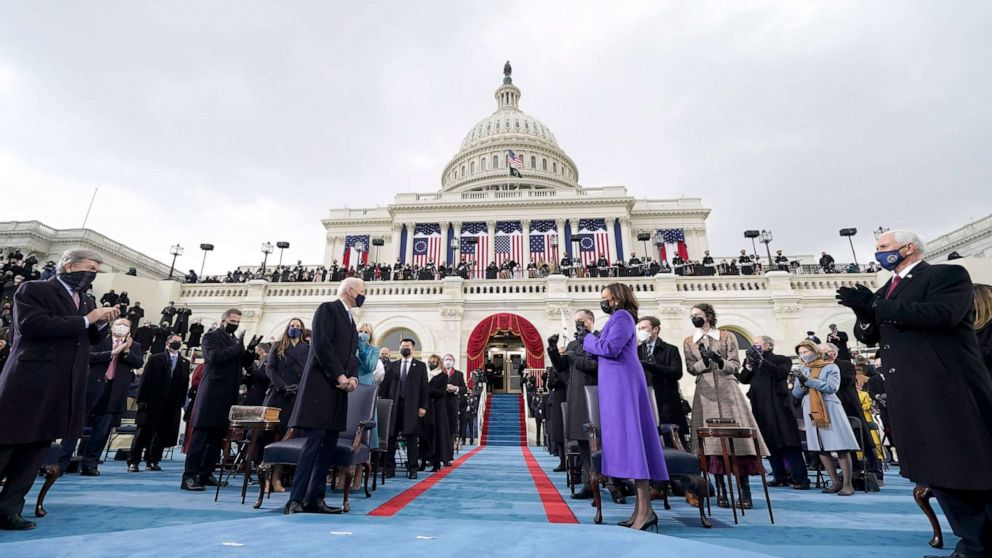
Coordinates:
(240,122)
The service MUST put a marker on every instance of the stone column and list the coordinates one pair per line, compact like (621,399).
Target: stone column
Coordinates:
(491,255)
(394,245)
(444,243)
(611,240)
(628,242)
(410,228)
(525,225)
(456,255)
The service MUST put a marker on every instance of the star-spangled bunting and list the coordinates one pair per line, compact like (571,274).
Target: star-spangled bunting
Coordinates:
(349,247)
(673,236)
(475,252)
(426,243)
(593,240)
(509,242)
(543,235)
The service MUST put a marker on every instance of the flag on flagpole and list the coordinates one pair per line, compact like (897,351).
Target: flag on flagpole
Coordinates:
(593,240)
(426,243)
(676,237)
(475,251)
(349,247)
(514,162)
(543,241)
(509,242)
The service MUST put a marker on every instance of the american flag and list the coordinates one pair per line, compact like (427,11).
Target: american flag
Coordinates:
(509,242)
(426,243)
(593,240)
(673,236)
(349,247)
(477,252)
(542,234)
(515,163)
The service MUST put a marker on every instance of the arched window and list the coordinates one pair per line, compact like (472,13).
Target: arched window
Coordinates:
(544,164)
(471,167)
(484,161)
(393,337)
(497,125)
(517,122)
(495,162)
(554,167)
(526,125)
(463,171)
(533,162)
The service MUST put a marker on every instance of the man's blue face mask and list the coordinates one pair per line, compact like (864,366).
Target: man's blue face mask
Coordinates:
(890,259)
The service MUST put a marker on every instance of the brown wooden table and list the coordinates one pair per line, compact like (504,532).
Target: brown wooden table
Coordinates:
(255,429)
(727,435)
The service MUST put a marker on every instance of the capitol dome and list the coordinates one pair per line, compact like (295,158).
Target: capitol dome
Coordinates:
(482,162)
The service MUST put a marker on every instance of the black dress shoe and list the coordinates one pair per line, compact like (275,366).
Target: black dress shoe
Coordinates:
(133,468)
(447,464)
(211,480)
(153,467)
(320,506)
(560,469)
(15,522)
(804,485)
(423,466)
(584,494)
(390,473)
(89,473)
(191,484)
(292,507)
(778,482)
(412,475)
(436,468)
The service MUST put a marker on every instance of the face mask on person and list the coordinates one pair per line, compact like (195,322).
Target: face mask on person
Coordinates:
(643,336)
(448,364)
(175,345)
(808,357)
(605,306)
(294,332)
(121,330)
(230,328)
(363,337)
(78,281)
(580,327)
(404,352)
(890,259)
(433,365)
(359,300)
(698,321)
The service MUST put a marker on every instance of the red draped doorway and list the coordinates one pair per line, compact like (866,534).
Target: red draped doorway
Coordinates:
(505,324)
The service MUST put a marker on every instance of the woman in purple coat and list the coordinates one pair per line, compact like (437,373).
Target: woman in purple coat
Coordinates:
(631,445)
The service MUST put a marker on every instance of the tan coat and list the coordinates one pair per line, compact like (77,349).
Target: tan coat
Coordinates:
(732,400)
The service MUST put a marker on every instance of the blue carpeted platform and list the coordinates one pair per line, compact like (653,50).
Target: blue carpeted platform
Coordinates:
(487,506)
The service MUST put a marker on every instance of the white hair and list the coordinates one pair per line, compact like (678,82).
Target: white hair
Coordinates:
(70,257)
(350,282)
(903,237)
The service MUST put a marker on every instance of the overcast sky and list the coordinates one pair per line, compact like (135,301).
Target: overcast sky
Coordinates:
(240,122)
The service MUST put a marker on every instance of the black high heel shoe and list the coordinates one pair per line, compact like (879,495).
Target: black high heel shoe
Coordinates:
(651,524)
(625,523)
(436,468)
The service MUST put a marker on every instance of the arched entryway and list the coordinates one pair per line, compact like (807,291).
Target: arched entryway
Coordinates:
(501,327)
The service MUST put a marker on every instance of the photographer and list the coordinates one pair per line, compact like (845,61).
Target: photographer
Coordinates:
(768,375)
(827,427)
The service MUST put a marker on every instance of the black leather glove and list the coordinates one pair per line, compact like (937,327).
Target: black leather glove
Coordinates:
(705,353)
(291,389)
(861,299)
(715,357)
(553,340)
(255,340)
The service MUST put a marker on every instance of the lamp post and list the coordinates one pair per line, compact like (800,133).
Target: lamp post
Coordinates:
(281,246)
(644,237)
(880,231)
(766,238)
(378,242)
(206,248)
(266,249)
(752,234)
(849,233)
(176,250)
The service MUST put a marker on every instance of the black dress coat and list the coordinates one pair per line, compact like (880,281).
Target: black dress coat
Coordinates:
(161,396)
(452,401)
(985,345)
(414,397)
(284,371)
(100,356)
(557,394)
(664,369)
(938,390)
(43,383)
(334,340)
(435,440)
(576,370)
(258,384)
(143,336)
(195,333)
(218,391)
(848,395)
(771,400)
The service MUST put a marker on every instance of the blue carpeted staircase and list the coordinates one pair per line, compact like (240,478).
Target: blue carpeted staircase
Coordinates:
(502,426)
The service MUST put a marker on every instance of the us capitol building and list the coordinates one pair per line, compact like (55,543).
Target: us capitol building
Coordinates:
(508,320)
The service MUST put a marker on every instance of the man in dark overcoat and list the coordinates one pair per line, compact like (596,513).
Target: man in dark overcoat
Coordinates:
(662,363)
(161,396)
(321,408)
(405,384)
(43,383)
(223,356)
(939,393)
(576,369)
(771,403)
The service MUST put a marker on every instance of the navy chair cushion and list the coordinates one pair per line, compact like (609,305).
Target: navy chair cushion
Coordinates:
(53,454)
(597,461)
(344,455)
(681,462)
(127,429)
(285,452)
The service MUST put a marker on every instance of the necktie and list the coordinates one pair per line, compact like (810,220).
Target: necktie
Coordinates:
(75,298)
(113,363)
(892,286)
(403,376)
